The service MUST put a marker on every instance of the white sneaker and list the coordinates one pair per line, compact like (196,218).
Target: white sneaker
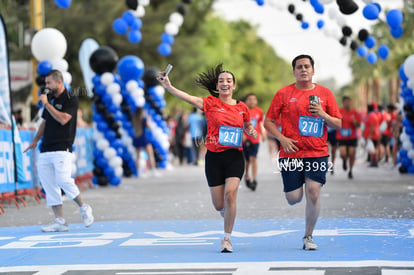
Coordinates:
(155,173)
(309,244)
(86,213)
(56,226)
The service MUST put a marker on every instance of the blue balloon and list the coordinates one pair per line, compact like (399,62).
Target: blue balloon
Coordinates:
(372,58)
(110,136)
(304,25)
(320,24)
(409,100)
(370,42)
(63,4)
(101,162)
(120,26)
(362,51)
(129,17)
(371,11)
(100,89)
(406,122)
(167,38)
(44,67)
(96,79)
(137,24)
(319,8)
(107,99)
(410,169)
(112,108)
(134,36)
(394,18)
(141,83)
(383,51)
(164,49)
(397,32)
(406,162)
(109,172)
(130,67)
(115,181)
(260,2)
(102,126)
(403,153)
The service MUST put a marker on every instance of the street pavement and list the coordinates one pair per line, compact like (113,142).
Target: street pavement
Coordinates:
(167,225)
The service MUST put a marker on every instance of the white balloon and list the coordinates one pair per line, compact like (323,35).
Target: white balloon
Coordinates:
(116,161)
(140,92)
(113,88)
(367,1)
(102,144)
(140,101)
(60,64)
(131,85)
(411,154)
(109,153)
(409,66)
(177,18)
(410,83)
(117,99)
(171,28)
(144,2)
(107,78)
(119,171)
(407,145)
(48,44)
(140,12)
(404,137)
(341,20)
(333,13)
(97,135)
(67,77)
(159,90)
(325,1)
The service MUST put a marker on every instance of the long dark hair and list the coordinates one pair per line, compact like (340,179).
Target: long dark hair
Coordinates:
(208,80)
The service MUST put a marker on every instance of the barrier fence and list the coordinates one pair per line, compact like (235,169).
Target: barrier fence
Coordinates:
(18,176)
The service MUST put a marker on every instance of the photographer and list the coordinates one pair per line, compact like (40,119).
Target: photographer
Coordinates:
(55,160)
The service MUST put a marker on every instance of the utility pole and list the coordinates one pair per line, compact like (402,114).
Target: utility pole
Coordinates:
(37,20)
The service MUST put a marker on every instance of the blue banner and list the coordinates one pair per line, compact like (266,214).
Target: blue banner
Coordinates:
(83,151)
(5,110)
(7,182)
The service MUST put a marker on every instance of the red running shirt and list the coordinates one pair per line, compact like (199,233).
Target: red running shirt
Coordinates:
(291,103)
(372,120)
(256,118)
(348,130)
(219,114)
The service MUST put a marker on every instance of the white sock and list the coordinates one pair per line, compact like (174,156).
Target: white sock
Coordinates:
(227,236)
(61,220)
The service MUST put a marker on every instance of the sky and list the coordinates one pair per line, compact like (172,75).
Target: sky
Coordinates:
(284,33)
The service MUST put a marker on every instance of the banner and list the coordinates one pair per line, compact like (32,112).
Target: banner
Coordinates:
(83,151)
(5,109)
(87,47)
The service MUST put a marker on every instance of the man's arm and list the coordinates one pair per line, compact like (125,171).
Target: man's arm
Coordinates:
(59,116)
(36,139)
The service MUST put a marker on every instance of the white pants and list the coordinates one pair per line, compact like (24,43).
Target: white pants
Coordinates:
(54,170)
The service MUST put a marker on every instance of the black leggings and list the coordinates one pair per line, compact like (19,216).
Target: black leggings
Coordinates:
(222,165)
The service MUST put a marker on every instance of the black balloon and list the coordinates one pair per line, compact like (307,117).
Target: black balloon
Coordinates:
(132,4)
(353,45)
(299,17)
(402,169)
(103,181)
(150,77)
(186,1)
(181,9)
(347,6)
(346,31)
(103,60)
(97,171)
(291,8)
(363,35)
(40,80)
(343,41)
(100,107)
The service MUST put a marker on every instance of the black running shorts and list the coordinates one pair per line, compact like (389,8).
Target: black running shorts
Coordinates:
(222,165)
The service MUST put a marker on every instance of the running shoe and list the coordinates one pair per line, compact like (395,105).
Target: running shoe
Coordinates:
(86,213)
(344,166)
(248,183)
(308,243)
(254,185)
(350,175)
(226,246)
(56,226)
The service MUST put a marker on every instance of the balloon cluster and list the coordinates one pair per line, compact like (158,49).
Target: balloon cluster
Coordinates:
(406,154)
(155,103)
(299,16)
(111,155)
(130,23)
(395,19)
(49,47)
(63,4)
(172,28)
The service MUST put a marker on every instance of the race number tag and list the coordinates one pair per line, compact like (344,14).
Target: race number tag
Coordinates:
(253,121)
(230,136)
(311,126)
(346,132)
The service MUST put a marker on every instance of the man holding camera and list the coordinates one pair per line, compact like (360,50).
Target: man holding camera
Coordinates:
(305,108)
(54,165)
